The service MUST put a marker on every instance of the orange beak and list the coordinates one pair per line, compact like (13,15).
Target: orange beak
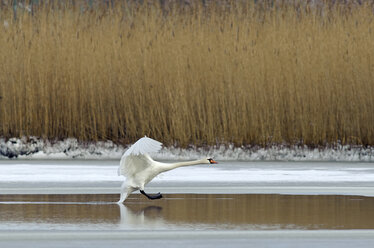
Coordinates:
(213,162)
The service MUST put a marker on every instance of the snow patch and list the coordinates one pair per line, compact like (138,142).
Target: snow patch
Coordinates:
(37,148)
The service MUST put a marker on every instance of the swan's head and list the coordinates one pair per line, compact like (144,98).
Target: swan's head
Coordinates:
(211,161)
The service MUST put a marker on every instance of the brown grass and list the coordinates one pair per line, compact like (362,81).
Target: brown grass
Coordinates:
(246,75)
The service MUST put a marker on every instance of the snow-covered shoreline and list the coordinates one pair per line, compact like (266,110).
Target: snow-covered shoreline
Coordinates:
(35,148)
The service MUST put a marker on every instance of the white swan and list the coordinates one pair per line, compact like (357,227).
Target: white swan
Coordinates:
(139,168)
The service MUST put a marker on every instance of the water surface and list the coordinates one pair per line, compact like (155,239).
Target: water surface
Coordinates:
(186,212)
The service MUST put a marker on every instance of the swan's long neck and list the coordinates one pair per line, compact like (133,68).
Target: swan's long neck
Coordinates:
(170,166)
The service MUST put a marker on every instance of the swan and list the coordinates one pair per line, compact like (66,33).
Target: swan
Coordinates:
(139,168)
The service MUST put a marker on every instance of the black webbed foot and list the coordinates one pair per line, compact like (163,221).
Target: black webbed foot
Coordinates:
(152,197)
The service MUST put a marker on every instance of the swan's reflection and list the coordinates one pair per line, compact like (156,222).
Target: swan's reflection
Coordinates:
(132,215)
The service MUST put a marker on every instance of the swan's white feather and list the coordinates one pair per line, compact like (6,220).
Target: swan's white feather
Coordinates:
(143,146)
(133,164)
(135,159)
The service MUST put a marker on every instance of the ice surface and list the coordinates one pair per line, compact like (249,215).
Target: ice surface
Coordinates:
(19,171)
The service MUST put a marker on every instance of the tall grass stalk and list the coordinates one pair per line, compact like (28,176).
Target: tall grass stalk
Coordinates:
(200,75)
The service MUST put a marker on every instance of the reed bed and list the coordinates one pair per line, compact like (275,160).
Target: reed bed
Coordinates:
(246,74)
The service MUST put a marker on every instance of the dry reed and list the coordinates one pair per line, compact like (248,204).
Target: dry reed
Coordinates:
(246,75)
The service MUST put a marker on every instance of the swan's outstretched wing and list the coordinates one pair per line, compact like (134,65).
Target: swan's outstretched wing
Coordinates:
(135,159)
(143,146)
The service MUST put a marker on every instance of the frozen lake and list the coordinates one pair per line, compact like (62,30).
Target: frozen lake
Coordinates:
(100,176)
(71,203)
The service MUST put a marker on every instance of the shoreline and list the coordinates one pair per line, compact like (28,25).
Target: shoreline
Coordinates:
(40,149)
